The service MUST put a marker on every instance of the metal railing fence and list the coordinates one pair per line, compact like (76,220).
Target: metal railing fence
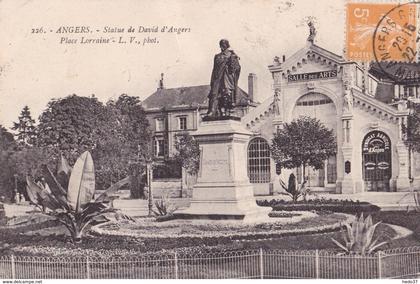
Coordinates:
(267,264)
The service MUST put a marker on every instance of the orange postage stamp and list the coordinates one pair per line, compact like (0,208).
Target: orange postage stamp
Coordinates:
(384,32)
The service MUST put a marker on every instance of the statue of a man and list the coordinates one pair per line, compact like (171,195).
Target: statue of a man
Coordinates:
(312,32)
(224,81)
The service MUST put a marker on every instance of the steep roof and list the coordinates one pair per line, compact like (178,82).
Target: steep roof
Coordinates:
(409,71)
(185,96)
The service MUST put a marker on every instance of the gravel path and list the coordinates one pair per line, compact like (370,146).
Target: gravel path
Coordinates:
(402,232)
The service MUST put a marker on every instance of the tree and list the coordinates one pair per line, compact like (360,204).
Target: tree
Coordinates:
(117,134)
(131,148)
(6,138)
(411,132)
(7,148)
(188,153)
(72,125)
(25,127)
(303,142)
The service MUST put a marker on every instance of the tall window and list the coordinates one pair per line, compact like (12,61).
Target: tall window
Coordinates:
(160,124)
(182,122)
(409,91)
(332,169)
(159,147)
(259,161)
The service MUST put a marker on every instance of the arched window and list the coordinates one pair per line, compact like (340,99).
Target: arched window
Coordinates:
(258,161)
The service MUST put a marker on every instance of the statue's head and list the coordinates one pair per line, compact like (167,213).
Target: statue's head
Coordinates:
(224,44)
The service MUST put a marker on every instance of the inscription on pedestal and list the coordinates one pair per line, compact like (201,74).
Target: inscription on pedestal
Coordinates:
(214,165)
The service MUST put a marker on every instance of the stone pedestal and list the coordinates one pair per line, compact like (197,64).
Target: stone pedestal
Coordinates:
(223,190)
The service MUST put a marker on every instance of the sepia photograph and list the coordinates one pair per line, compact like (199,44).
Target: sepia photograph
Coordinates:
(209,139)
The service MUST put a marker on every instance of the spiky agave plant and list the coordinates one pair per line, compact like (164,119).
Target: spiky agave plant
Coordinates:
(359,237)
(74,205)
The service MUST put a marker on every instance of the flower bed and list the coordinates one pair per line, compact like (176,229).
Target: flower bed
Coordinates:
(332,205)
(206,230)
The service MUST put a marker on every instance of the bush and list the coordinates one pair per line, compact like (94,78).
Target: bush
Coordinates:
(333,205)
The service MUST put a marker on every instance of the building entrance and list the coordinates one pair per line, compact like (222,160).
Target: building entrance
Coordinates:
(376,151)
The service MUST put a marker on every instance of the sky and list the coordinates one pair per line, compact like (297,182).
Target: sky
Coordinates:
(36,67)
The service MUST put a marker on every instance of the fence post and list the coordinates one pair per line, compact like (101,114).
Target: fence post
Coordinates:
(379,264)
(87,268)
(176,265)
(261,264)
(12,260)
(316,264)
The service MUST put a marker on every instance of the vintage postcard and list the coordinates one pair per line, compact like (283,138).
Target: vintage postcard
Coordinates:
(209,139)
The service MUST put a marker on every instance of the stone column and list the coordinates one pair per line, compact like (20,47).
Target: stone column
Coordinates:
(347,185)
(403,181)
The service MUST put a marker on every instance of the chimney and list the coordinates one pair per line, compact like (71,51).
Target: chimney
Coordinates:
(252,86)
(284,58)
(161,86)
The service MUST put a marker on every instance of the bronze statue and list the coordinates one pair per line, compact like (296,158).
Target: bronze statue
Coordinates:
(224,81)
(312,32)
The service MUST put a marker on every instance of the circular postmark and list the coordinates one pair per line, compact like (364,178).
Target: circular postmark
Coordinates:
(396,41)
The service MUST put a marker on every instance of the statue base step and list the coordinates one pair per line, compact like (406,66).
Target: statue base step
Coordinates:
(227,202)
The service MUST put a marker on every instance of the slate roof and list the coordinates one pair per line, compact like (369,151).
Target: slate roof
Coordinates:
(185,96)
(413,67)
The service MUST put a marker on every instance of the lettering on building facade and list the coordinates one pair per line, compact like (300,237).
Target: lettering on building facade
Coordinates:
(312,76)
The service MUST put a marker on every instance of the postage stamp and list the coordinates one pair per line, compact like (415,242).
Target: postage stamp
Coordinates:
(382,32)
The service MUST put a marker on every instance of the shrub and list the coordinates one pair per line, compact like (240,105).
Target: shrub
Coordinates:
(74,207)
(358,237)
(164,207)
(333,205)
(293,190)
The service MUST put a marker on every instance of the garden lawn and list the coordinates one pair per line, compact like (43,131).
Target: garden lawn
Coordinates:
(409,220)
(13,240)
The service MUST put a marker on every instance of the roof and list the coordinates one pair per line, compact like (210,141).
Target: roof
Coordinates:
(185,96)
(410,72)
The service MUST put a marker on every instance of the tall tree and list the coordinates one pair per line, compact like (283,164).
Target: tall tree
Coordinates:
(72,125)
(411,132)
(25,128)
(131,148)
(117,134)
(6,138)
(7,148)
(303,142)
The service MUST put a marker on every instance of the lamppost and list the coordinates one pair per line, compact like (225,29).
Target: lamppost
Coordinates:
(149,174)
(16,195)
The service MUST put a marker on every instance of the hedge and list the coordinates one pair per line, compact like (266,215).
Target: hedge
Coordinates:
(333,205)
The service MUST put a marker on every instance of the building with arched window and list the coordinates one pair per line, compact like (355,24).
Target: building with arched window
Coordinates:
(365,112)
